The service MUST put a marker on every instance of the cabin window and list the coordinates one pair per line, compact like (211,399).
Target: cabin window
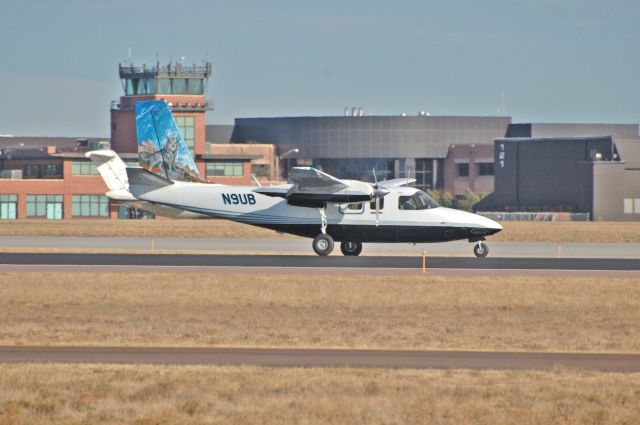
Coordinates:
(352,208)
(417,201)
(372,205)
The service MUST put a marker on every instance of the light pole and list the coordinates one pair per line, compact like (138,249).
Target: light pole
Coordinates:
(279,157)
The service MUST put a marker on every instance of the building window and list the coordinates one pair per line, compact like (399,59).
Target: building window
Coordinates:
(89,206)
(485,168)
(196,85)
(225,168)
(632,205)
(186,126)
(31,171)
(45,206)
(179,86)
(463,170)
(52,171)
(83,168)
(8,207)
(164,85)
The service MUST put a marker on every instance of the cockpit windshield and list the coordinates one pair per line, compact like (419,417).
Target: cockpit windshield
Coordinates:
(417,201)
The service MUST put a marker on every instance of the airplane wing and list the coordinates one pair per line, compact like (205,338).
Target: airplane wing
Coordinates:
(312,188)
(396,182)
(308,179)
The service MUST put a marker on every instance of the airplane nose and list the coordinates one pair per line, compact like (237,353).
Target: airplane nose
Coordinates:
(486,225)
(493,226)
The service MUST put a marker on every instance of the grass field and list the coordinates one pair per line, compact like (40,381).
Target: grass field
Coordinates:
(161,395)
(513,231)
(549,313)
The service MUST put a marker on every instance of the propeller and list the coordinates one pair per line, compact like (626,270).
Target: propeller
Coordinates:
(378,192)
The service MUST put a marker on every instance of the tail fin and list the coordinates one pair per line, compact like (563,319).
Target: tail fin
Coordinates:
(161,148)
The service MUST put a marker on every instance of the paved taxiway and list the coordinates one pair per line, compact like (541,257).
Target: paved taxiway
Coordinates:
(271,357)
(308,261)
(292,245)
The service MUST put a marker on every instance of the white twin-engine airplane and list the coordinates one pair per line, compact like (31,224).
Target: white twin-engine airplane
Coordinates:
(313,204)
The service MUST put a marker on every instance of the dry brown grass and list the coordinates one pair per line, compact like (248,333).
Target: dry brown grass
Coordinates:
(95,394)
(134,228)
(586,232)
(513,231)
(553,313)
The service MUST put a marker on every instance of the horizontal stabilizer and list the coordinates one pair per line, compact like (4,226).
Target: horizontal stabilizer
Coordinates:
(111,169)
(142,177)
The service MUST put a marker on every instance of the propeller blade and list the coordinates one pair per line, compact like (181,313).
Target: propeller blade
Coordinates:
(379,192)
(377,209)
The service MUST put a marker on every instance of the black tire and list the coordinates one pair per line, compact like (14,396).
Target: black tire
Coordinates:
(351,248)
(322,244)
(481,250)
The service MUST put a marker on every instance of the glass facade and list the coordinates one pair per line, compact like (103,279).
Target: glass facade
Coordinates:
(31,171)
(145,86)
(225,168)
(52,171)
(186,125)
(83,168)
(45,206)
(89,206)
(8,207)
(357,168)
(463,170)
(485,168)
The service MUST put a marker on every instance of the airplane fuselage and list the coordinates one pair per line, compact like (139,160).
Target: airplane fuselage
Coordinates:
(353,221)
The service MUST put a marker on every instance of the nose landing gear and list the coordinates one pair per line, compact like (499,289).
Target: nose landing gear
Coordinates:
(481,249)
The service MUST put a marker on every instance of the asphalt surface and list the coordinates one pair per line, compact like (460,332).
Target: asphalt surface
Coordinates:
(307,261)
(323,358)
(302,246)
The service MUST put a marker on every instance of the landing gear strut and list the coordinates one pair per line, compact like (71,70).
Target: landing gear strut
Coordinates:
(481,249)
(323,243)
(351,248)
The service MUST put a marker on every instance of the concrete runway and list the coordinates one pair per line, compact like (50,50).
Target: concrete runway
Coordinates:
(307,261)
(290,245)
(272,357)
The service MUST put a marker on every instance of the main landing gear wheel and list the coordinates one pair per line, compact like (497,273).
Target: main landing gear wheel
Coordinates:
(351,248)
(323,244)
(481,250)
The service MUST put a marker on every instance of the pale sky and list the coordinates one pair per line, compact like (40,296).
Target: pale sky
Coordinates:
(554,60)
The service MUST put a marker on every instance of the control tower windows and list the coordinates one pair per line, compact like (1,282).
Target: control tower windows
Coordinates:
(196,86)
(144,86)
(164,85)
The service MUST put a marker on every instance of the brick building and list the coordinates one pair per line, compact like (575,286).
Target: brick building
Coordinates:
(44,177)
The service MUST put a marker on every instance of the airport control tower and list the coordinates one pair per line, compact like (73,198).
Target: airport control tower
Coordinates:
(182,86)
